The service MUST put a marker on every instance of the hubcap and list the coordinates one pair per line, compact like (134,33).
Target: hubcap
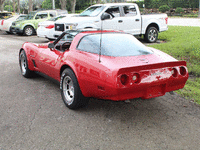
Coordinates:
(28,31)
(23,64)
(68,90)
(152,35)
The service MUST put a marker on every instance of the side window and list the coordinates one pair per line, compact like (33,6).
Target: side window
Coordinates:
(113,11)
(129,11)
(88,44)
(41,16)
(52,14)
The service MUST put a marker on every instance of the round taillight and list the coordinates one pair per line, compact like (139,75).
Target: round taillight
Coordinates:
(136,78)
(124,79)
(174,72)
(183,71)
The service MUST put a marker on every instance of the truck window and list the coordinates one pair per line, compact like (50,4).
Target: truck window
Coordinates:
(113,11)
(41,16)
(52,14)
(129,11)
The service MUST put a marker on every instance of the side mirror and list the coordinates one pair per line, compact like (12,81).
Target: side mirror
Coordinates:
(51,45)
(105,16)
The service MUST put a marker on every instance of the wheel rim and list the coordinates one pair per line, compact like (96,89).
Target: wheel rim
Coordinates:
(23,63)
(28,31)
(68,90)
(152,35)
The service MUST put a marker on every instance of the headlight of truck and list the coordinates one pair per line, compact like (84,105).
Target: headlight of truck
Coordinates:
(71,26)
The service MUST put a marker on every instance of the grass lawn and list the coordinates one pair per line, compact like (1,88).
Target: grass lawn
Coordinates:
(183,43)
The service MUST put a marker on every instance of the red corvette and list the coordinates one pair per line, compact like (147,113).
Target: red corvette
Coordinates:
(103,64)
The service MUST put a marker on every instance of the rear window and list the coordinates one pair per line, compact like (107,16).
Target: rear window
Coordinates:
(113,44)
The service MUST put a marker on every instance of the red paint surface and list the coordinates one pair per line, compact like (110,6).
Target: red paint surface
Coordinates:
(103,80)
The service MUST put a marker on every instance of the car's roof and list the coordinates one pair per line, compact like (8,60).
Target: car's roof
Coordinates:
(111,4)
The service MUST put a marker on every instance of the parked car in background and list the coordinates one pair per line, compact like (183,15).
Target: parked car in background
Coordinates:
(116,16)
(45,28)
(29,25)
(4,15)
(109,65)
(5,24)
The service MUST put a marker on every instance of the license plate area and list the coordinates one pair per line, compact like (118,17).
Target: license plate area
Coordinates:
(155,91)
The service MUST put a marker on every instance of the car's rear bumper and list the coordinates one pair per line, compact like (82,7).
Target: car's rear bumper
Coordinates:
(144,91)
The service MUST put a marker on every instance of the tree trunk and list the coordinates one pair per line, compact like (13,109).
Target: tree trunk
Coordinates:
(30,4)
(98,1)
(14,5)
(2,4)
(73,5)
(63,4)
(18,6)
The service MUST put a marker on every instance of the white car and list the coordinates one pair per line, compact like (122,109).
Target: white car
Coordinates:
(5,24)
(45,29)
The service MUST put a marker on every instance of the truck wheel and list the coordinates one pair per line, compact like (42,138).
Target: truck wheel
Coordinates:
(23,63)
(151,35)
(28,31)
(70,90)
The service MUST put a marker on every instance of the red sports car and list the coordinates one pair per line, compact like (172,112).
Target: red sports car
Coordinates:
(103,64)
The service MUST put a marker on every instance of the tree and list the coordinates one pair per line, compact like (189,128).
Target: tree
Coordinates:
(8,8)
(47,4)
(2,4)
(14,5)
(63,4)
(30,4)
(18,6)
(73,5)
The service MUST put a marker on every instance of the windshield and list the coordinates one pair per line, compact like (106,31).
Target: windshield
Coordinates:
(30,15)
(114,44)
(92,11)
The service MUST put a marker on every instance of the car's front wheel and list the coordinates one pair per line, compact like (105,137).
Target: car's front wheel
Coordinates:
(28,31)
(70,90)
(151,35)
(23,63)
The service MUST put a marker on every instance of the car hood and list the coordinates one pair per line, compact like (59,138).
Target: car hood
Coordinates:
(75,19)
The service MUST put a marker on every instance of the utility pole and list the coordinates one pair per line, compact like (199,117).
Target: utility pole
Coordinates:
(199,9)
(53,2)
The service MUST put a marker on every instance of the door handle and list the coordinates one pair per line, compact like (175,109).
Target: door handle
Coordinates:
(120,21)
(137,19)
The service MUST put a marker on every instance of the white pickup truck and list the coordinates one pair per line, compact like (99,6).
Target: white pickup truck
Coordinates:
(116,16)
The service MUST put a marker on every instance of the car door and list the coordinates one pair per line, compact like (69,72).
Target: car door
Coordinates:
(48,61)
(131,20)
(115,17)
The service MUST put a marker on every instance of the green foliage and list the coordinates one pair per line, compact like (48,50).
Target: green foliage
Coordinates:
(191,15)
(179,10)
(47,4)
(164,8)
(8,8)
(183,44)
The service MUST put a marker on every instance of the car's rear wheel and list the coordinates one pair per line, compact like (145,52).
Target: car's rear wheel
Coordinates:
(26,72)
(70,90)
(151,35)
(28,31)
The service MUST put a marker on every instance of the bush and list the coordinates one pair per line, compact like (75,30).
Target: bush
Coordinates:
(164,8)
(179,10)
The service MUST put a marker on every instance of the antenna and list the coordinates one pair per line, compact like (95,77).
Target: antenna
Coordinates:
(100,40)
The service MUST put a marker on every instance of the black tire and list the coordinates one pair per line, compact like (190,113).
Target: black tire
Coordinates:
(23,63)
(8,32)
(70,90)
(151,35)
(28,31)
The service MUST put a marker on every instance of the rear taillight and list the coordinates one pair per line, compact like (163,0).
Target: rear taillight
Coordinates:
(124,79)
(183,71)
(166,19)
(136,78)
(174,72)
(50,26)
(2,22)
